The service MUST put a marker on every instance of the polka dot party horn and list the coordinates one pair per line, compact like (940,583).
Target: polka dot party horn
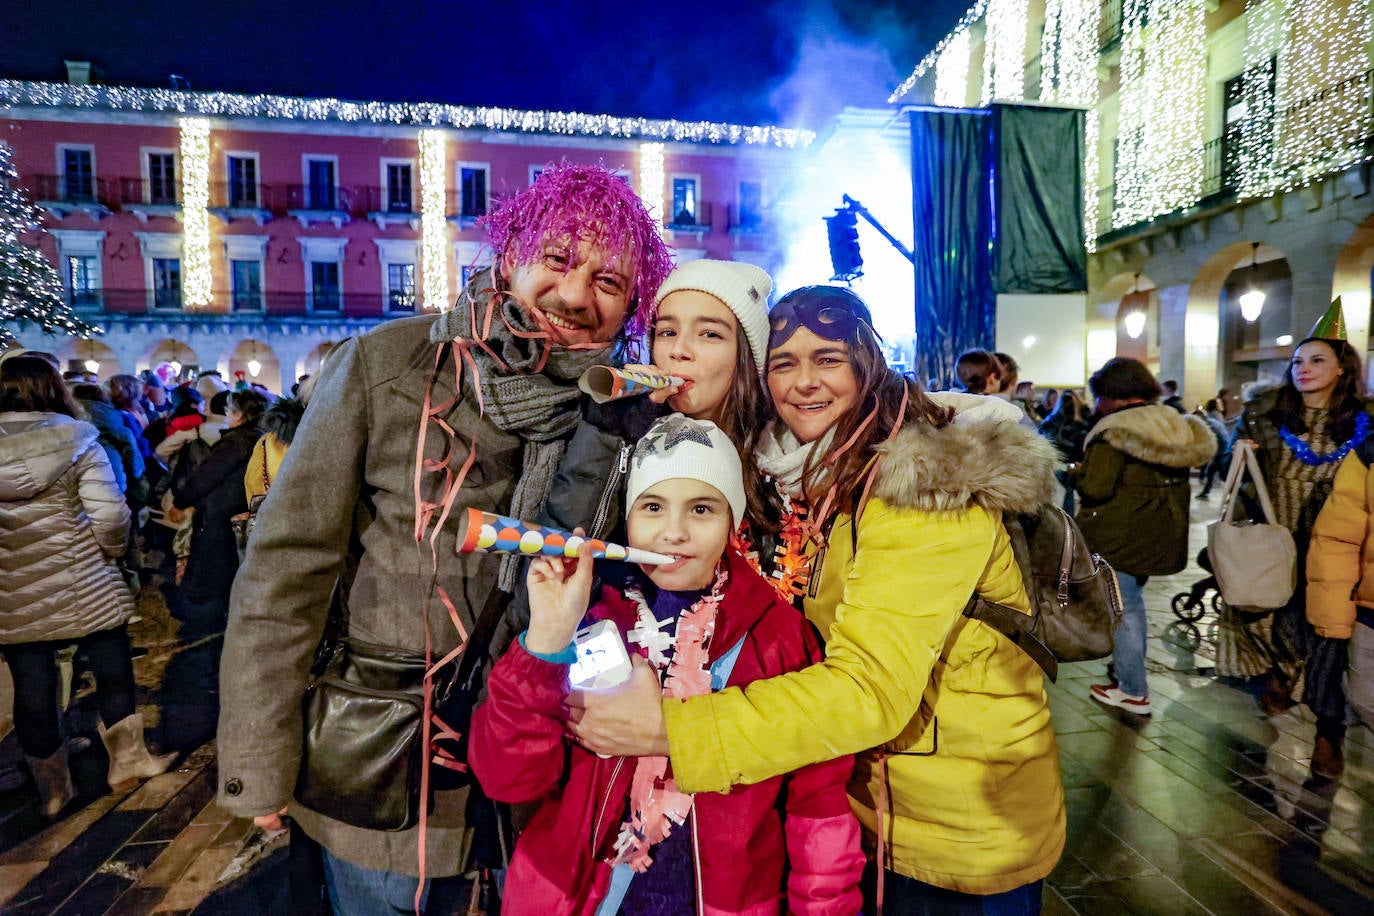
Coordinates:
(606,384)
(487,532)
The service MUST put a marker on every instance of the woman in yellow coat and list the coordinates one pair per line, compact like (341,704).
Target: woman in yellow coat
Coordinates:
(957,781)
(1340,577)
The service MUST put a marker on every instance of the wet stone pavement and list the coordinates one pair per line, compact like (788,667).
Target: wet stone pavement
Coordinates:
(1206,806)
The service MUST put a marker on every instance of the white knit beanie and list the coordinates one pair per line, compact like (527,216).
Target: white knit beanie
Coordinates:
(678,446)
(743,288)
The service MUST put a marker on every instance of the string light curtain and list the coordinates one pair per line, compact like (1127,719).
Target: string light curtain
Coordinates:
(197,276)
(1323,98)
(651,180)
(1163,90)
(1068,59)
(1004,51)
(433,219)
(951,72)
(1255,163)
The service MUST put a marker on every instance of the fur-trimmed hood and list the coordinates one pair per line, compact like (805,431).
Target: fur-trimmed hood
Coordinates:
(1157,434)
(980,459)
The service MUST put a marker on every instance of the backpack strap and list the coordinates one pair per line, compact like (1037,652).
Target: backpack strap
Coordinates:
(1366,450)
(1016,626)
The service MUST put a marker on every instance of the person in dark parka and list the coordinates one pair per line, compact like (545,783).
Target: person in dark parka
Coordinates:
(215,492)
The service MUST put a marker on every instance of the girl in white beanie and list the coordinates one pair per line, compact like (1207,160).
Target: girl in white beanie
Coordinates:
(614,835)
(710,328)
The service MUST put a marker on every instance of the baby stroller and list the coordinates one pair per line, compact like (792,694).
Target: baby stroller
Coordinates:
(1190,606)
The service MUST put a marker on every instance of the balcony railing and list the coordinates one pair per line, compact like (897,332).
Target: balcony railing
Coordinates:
(154,193)
(319,197)
(234,195)
(687,221)
(117,301)
(62,189)
(381,200)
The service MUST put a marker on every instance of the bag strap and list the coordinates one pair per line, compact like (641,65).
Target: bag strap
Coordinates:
(1252,465)
(1016,626)
(266,481)
(1365,450)
(1230,491)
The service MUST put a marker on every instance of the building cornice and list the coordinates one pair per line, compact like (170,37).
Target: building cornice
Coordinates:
(125,99)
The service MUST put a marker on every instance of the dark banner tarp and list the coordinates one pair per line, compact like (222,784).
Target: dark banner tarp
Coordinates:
(1039,200)
(952,214)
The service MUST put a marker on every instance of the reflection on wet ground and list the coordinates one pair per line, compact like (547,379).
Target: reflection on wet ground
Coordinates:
(1205,807)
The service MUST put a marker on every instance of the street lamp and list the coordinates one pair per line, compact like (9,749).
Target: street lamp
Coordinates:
(254,367)
(1135,318)
(1252,300)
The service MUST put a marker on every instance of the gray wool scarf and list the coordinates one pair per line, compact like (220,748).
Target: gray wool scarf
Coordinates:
(542,408)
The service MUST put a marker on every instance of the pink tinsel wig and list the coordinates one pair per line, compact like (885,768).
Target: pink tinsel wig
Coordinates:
(589,203)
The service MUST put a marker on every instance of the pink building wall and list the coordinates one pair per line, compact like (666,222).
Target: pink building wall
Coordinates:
(118,156)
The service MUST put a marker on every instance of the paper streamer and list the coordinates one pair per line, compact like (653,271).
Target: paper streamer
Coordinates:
(487,532)
(606,384)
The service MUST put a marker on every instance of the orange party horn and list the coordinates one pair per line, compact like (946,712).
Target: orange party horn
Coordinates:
(606,384)
(487,532)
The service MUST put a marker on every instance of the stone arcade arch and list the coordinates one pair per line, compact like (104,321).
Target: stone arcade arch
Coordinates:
(1211,333)
(248,352)
(78,353)
(1107,310)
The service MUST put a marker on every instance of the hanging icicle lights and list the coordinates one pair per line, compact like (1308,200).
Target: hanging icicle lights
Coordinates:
(512,120)
(1068,56)
(974,13)
(951,72)
(197,277)
(1323,98)
(1163,89)
(433,224)
(651,180)
(1004,53)
(1255,159)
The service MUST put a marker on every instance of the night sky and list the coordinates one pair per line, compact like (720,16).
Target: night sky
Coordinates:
(794,64)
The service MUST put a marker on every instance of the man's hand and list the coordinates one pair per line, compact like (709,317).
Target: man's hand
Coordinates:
(559,591)
(625,721)
(270,823)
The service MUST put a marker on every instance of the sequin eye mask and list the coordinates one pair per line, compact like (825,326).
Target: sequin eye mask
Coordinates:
(829,322)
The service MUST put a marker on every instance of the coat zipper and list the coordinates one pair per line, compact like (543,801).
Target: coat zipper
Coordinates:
(600,811)
(608,494)
(696,857)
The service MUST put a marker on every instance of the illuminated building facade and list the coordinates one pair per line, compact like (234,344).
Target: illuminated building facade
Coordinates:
(1230,142)
(240,233)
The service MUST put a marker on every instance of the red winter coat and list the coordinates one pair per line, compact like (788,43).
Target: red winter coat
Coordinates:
(792,835)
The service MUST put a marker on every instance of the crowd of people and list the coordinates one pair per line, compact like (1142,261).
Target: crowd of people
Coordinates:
(809,722)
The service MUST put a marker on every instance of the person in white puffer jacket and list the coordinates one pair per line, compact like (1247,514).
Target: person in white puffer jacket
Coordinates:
(63,522)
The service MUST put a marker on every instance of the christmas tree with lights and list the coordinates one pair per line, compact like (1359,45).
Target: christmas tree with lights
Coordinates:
(30,289)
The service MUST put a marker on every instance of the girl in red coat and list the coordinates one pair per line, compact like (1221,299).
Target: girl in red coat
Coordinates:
(613,835)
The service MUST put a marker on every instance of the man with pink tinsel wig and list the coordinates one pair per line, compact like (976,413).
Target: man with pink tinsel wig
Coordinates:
(410,425)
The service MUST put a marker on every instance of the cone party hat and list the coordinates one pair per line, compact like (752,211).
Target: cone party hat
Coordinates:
(1331,325)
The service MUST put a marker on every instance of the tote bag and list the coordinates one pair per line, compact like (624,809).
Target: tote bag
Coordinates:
(1255,562)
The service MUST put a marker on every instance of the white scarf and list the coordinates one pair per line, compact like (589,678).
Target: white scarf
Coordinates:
(781,456)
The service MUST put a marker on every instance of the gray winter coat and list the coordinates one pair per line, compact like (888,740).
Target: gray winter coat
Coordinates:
(346,487)
(62,523)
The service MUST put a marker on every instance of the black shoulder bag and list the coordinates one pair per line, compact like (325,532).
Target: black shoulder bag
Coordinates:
(363,749)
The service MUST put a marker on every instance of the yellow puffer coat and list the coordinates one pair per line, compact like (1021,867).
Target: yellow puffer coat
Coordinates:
(1340,562)
(975,801)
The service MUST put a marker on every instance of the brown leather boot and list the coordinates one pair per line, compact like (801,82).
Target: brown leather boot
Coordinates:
(1328,761)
